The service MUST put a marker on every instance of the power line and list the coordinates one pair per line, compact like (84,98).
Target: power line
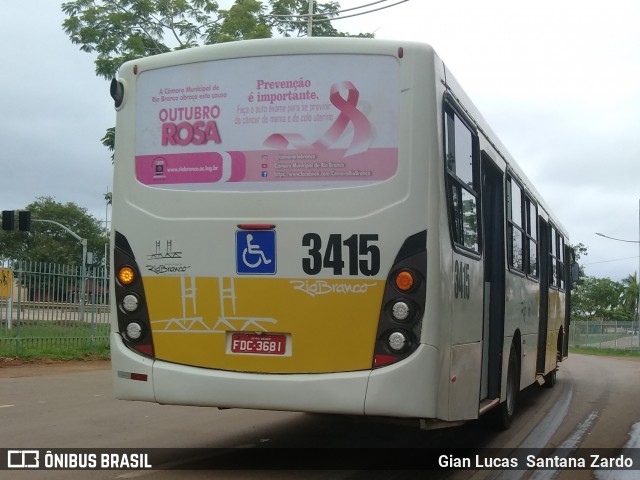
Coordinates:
(609,261)
(321,15)
(333,13)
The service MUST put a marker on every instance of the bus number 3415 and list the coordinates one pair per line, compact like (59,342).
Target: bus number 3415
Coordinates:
(461,280)
(360,251)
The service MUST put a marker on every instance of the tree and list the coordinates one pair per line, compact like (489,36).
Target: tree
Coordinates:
(245,20)
(48,242)
(602,297)
(122,30)
(630,296)
(598,298)
(580,251)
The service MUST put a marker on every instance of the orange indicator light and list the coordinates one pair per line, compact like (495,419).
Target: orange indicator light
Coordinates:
(126,275)
(404,280)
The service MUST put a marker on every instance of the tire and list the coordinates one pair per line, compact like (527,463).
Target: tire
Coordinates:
(507,408)
(550,378)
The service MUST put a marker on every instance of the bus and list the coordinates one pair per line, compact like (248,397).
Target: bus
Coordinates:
(326,225)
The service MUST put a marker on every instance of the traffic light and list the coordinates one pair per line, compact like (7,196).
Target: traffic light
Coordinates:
(24,220)
(8,219)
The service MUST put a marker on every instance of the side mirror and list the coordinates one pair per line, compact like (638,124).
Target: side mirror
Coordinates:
(575,273)
(117,92)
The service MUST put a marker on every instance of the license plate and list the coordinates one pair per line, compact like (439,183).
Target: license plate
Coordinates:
(264,344)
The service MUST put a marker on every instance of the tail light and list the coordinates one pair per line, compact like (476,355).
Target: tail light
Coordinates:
(133,316)
(403,303)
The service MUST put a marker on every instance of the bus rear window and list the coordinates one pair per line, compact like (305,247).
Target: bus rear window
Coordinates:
(269,123)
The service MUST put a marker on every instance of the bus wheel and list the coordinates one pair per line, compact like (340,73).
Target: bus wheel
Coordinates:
(550,378)
(508,407)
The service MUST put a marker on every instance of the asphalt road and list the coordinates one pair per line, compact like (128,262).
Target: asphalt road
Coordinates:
(595,404)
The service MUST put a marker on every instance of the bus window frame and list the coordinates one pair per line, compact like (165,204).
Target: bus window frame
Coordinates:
(454,182)
(532,233)
(525,228)
(557,267)
(510,179)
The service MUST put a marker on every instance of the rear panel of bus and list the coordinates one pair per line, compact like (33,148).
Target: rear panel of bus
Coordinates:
(270,222)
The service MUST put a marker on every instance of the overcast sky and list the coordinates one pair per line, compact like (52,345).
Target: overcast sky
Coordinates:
(557,80)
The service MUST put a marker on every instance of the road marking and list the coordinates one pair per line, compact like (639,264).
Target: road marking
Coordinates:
(6,406)
(634,442)
(578,433)
(568,446)
(541,435)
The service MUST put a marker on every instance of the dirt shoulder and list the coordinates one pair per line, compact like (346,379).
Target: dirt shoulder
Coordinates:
(15,367)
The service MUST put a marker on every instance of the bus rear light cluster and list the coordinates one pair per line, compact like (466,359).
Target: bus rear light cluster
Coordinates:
(133,317)
(403,303)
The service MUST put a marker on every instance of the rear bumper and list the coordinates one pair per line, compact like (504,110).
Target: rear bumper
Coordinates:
(400,390)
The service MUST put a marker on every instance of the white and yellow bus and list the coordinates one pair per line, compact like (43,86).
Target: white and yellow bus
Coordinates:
(326,225)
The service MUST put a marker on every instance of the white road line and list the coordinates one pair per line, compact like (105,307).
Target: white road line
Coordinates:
(567,447)
(634,442)
(576,437)
(540,436)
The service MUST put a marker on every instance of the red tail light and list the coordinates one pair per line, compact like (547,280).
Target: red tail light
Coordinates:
(382,360)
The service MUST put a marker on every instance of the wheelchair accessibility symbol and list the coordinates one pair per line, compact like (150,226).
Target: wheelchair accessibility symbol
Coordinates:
(256,252)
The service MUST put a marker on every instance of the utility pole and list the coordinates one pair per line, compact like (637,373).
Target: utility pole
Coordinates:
(310,20)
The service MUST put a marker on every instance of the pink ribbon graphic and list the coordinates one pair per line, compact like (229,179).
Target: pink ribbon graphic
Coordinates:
(349,113)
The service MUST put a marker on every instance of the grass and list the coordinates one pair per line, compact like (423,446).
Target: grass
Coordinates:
(605,352)
(598,338)
(57,356)
(98,351)
(55,340)
(55,328)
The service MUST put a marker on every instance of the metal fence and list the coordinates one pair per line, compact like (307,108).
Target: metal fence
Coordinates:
(617,335)
(52,309)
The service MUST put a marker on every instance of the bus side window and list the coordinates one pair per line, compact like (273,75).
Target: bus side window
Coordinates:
(560,261)
(553,259)
(532,237)
(515,226)
(461,153)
